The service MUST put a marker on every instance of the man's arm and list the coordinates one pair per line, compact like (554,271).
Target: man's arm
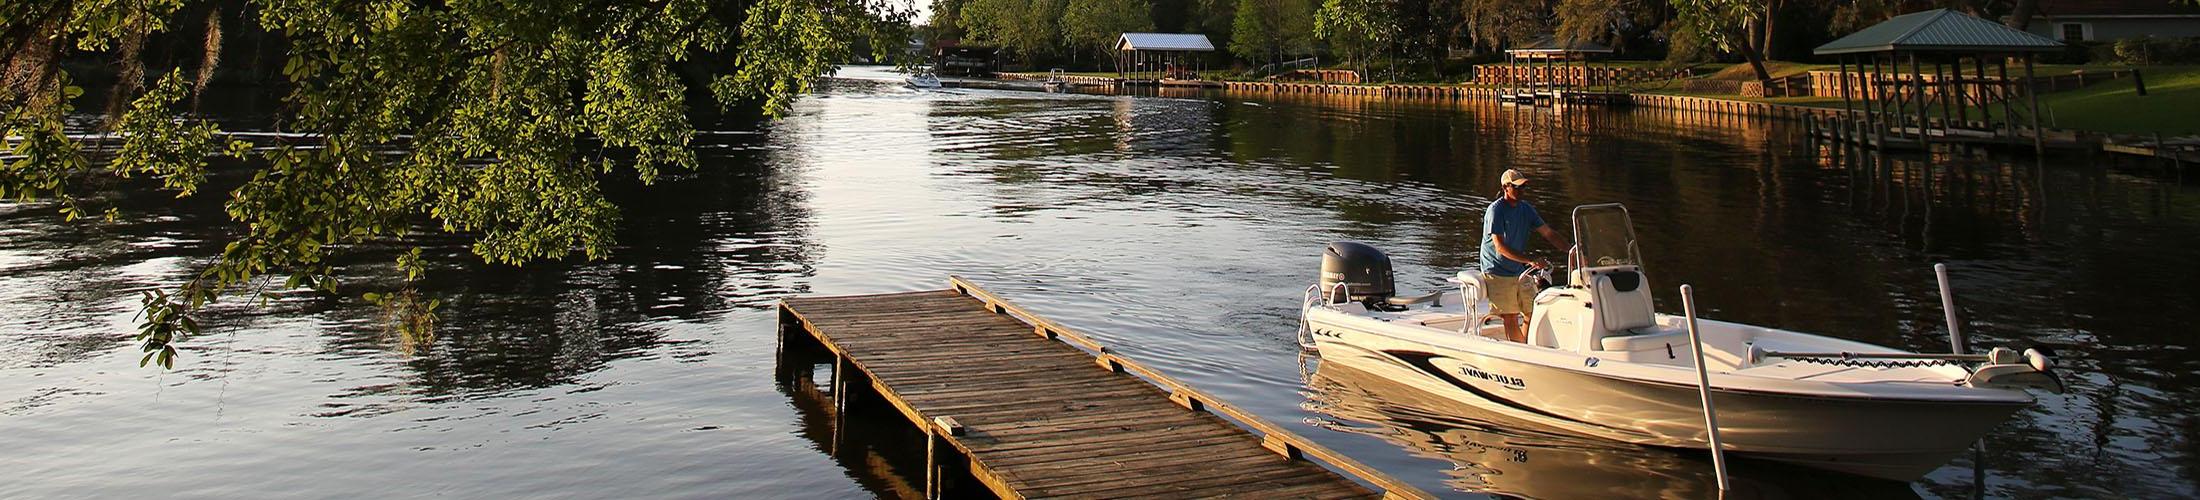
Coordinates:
(1558,242)
(1508,252)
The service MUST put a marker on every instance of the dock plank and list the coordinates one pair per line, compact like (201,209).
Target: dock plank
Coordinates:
(1039,417)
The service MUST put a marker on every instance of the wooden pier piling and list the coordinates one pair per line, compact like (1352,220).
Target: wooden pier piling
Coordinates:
(1030,408)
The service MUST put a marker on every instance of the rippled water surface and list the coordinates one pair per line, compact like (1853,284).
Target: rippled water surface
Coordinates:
(1180,229)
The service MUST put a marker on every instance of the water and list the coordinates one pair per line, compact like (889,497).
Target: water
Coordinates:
(1180,230)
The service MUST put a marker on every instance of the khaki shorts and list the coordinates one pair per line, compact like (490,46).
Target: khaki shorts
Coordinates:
(1507,294)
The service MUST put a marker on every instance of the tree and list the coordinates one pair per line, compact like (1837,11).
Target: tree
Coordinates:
(1727,25)
(1497,23)
(507,114)
(2021,16)
(946,18)
(1272,29)
(1096,24)
(1027,27)
(1357,30)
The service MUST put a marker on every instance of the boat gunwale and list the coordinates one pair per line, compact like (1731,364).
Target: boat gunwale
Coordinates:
(1957,394)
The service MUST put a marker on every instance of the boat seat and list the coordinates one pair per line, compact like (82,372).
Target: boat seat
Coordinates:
(1640,339)
(1621,297)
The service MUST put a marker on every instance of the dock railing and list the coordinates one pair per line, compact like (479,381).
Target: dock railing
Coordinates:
(1273,437)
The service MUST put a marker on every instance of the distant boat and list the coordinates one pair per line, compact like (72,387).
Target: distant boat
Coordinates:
(1056,82)
(923,81)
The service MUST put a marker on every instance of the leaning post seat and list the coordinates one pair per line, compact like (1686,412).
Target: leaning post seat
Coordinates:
(1620,299)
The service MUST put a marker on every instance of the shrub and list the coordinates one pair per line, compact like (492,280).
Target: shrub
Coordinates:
(2150,50)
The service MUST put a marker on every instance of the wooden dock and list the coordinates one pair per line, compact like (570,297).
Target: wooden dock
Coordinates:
(1028,408)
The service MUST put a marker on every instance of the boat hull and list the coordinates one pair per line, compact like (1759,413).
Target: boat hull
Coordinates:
(1898,439)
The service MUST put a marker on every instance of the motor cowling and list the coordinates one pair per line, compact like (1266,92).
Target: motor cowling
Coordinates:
(1364,270)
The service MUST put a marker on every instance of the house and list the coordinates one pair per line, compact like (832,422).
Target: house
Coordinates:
(954,57)
(2111,20)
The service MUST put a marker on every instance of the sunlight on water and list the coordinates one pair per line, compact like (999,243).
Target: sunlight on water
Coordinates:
(1179,228)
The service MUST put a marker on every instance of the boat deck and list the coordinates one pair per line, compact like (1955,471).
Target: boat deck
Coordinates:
(1029,408)
(1727,344)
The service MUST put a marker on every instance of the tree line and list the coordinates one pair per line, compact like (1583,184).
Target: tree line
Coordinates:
(509,115)
(1419,37)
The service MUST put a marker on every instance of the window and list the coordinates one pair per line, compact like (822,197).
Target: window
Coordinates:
(2076,32)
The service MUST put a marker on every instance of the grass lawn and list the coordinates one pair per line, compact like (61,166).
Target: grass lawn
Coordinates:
(1778,69)
(2171,106)
(2173,97)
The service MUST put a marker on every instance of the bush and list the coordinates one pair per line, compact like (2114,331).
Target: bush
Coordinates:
(2149,50)
(2078,53)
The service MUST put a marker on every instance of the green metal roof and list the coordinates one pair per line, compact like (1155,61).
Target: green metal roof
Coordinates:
(1938,30)
(1549,43)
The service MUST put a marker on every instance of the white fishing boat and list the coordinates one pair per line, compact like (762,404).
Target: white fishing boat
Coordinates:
(1506,457)
(1599,360)
(1056,81)
(923,80)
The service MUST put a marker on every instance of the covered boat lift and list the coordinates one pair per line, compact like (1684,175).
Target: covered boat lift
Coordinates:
(1552,70)
(1151,58)
(1880,100)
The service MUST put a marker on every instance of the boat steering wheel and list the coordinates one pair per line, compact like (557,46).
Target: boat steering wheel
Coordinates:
(1538,278)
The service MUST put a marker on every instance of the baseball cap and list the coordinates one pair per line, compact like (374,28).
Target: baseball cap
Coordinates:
(1514,178)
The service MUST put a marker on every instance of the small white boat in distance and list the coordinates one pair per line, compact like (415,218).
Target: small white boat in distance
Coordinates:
(1056,81)
(923,80)
(1599,360)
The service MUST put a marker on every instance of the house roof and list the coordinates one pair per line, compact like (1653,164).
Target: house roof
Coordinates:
(1185,42)
(1938,30)
(2117,8)
(1549,43)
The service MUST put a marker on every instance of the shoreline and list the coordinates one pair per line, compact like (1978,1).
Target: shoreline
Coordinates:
(2181,149)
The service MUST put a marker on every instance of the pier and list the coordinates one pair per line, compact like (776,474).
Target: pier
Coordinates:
(1025,407)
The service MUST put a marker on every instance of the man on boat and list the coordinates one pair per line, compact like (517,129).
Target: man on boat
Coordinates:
(1505,228)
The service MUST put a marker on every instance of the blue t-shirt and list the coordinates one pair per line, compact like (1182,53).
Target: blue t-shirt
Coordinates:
(1513,221)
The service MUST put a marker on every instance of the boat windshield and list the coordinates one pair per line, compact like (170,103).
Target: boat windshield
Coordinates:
(1605,236)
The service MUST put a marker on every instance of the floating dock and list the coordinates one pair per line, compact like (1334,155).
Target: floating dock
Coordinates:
(1029,408)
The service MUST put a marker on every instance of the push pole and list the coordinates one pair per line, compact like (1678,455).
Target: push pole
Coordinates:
(1703,387)
(1948,304)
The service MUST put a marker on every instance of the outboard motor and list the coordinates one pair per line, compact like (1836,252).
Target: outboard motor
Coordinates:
(1365,272)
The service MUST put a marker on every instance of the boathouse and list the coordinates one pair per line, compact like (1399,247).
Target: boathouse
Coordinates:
(1150,58)
(1880,97)
(1552,70)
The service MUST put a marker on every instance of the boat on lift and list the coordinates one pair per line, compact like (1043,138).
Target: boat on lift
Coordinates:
(923,80)
(1599,360)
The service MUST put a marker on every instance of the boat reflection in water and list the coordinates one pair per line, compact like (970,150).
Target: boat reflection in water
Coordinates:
(1502,455)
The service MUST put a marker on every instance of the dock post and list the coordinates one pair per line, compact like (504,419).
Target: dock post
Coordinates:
(1917,87)
(784,373)
(1703,387)
(1848,116)
(843,370)
(2008,89)
(2039,136)
(1879,97)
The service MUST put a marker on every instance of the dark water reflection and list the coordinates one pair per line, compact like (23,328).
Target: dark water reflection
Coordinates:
(1179,227)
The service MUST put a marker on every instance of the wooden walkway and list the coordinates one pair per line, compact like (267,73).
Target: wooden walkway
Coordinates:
(1031,409)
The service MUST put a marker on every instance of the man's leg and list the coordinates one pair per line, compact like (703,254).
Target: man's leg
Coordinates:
(1524,298)
(1504,294)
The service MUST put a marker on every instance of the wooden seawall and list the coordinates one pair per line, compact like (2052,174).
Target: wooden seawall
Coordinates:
(1028,408)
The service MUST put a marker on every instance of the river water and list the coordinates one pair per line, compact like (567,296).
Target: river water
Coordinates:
(1179,229)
